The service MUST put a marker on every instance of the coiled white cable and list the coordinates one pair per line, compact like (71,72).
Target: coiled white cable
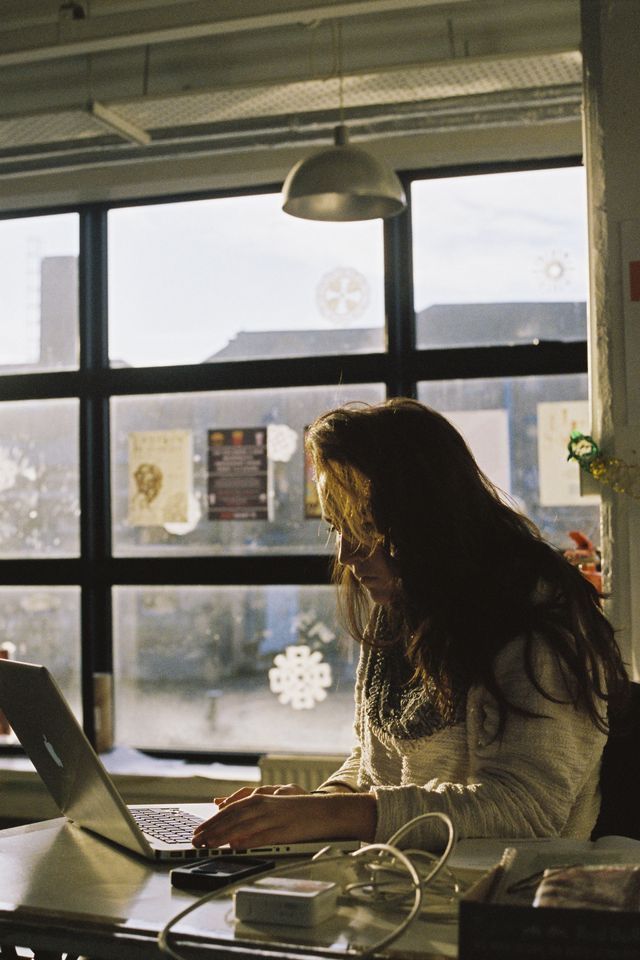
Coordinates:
(375,889)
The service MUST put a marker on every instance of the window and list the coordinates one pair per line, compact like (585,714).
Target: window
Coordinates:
(282,528)
(500,258)
(234,278)
(518,429)
(157,519)
(228,668)
(42,625)
(39,504)
(39,281)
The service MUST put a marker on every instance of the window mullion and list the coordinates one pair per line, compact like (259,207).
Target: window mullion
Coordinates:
(399,310)
(95,518)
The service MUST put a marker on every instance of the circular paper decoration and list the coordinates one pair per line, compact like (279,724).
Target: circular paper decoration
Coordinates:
(343,295)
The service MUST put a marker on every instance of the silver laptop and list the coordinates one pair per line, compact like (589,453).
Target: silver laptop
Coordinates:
(77,780)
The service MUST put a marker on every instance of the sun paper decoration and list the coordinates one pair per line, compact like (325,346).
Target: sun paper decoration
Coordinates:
(299,677)
(620,476)
(554,269)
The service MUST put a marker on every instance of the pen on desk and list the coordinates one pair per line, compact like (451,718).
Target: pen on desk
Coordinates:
(499,872)
(531,881)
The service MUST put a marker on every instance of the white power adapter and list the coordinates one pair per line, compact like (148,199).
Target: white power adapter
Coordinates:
(286,900)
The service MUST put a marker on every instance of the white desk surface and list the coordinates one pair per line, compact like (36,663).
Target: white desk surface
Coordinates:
(64,890)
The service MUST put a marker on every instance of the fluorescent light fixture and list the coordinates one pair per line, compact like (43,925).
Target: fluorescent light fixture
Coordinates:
(116,123)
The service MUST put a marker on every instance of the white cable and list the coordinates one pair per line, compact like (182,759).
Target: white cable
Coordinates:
(417,901)
(384,887)
(419,883)
(163,936)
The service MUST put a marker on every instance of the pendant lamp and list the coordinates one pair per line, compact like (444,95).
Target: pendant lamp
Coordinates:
(342,183)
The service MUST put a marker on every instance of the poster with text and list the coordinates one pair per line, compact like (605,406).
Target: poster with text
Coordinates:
(487,435)
(238,478)
(559,478)
(160,477)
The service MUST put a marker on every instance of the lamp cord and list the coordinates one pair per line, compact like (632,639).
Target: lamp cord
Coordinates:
(340,75)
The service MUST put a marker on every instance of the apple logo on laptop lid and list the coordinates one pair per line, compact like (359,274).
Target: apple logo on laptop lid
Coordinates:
(51,751)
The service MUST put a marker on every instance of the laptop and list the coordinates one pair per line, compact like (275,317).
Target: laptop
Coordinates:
(76,778)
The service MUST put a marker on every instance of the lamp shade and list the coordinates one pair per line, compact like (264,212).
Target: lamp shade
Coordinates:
(342,183)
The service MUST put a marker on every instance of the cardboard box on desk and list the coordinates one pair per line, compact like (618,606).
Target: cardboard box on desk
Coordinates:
(490,928)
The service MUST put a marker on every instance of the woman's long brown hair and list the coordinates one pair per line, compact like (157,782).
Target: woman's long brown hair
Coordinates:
(473,572)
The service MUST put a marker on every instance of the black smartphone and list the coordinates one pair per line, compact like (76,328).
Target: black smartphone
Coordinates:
(214,874)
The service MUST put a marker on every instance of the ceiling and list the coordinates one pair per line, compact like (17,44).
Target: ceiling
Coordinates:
(90,84)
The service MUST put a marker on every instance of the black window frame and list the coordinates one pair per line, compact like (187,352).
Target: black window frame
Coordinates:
(96,571)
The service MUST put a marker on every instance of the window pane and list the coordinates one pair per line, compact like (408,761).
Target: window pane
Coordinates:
(232,669)
(500,258)
(42,625)
(39,282)
(518,429)
(236,278)
(176,435)
(39,479)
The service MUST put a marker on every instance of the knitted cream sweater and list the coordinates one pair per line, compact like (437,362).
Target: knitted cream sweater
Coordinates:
(539,779)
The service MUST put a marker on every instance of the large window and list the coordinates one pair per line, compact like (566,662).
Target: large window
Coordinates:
(518,428)
(39,282)
(230,668)
(159,365)
(234,278)
(500,258)
(279,526)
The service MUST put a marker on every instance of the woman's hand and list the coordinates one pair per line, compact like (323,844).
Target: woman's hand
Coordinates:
(288,789)
(258,817)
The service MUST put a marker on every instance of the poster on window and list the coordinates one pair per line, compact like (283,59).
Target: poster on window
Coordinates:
(238,477)
(559,478)
(487,435)
(160,477)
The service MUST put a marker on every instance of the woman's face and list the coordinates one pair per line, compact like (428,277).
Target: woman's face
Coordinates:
(374,569)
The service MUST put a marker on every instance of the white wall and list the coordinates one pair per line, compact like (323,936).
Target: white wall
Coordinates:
(611,51)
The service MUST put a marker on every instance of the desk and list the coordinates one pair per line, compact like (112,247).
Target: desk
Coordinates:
(63,890)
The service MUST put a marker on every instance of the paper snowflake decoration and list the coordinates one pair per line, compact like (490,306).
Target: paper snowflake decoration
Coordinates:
(281,442)
(300,677)
(14,464)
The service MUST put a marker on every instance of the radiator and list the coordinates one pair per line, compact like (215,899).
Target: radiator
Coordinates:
(307,771)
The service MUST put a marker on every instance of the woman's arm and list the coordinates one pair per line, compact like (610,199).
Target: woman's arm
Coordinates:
(267,818)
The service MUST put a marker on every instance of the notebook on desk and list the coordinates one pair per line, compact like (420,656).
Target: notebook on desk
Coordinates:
(84,792)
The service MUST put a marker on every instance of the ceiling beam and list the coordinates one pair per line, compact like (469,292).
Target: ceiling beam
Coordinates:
(182,21)
(513,108)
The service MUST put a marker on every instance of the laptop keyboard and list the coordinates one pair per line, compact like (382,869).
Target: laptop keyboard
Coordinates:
(169,824)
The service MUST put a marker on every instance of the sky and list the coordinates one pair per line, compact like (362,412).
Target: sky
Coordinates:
(184,278)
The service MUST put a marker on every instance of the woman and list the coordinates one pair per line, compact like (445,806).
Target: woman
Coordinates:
(487,666)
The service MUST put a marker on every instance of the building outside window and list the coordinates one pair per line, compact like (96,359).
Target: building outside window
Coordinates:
(159,364)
